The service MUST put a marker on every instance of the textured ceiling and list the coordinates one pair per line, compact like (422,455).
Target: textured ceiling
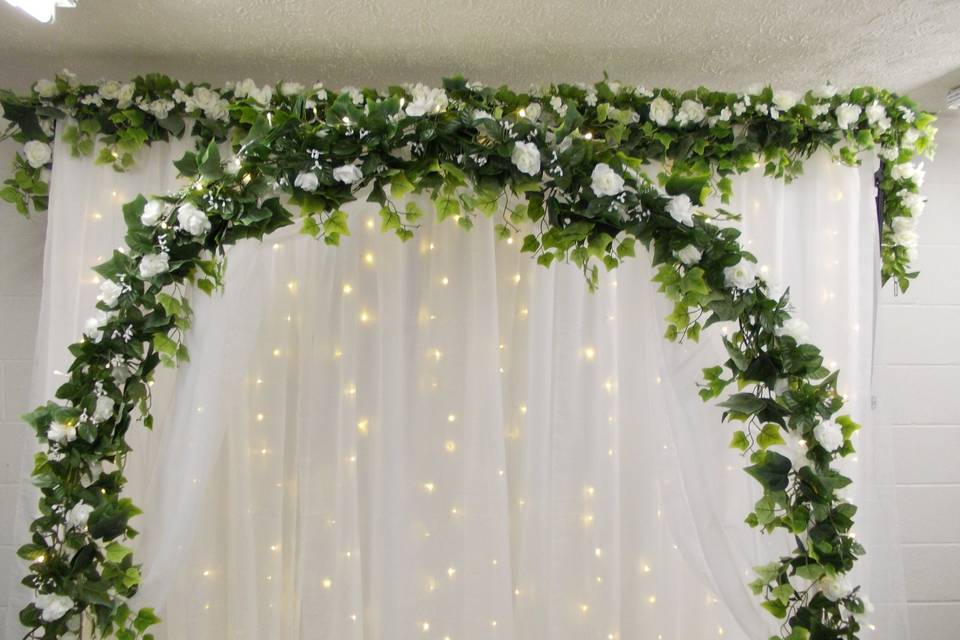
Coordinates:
(907,45)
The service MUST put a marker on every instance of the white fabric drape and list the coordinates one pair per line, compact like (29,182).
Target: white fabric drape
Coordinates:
(440,439)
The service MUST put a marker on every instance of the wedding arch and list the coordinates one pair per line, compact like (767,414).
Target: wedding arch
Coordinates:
(569,161)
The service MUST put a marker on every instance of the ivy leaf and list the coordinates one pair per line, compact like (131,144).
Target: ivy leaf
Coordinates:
(743,403)
(739,441)
(117,552)
(769,436)
(772,471)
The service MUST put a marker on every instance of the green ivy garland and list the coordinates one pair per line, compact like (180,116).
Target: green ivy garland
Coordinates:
(567,159)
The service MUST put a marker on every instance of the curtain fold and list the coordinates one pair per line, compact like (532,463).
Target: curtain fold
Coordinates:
(441,439)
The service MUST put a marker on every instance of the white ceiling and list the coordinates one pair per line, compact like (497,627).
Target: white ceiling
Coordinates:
(907,45)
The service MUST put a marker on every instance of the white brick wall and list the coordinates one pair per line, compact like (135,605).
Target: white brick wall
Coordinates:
(918,375)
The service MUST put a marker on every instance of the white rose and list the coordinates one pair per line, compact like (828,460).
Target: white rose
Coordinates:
(53,606)
(480,114)
(835,587)
(94,98)
(913,202)
(291,88)
(795,328)
(347,174)
(62,433)
(307,180)
(556,103)
(825,92)
(661,111)
(681,209)
(79,514)
(37,153)
(691,111)
(109,292)
(742,275)
(889,153)
(125,94)
(533,110)
(904,231)
(46,88)
(605,181)
(356,96)
(154,264)
(689,255)
(153,212)
(847,114)
(192,220)
(908,171)
(160,109)
(210,102)
(426,100)
(739,108)
(828,435)
(875,112)
(109,90)
(104,409)
(248,89)
(92,329)
(526,157)
(785,100)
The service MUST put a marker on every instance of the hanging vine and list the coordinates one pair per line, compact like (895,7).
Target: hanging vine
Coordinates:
(571,159)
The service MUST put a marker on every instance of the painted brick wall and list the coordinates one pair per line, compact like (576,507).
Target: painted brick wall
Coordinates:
(918,393)
(918,375)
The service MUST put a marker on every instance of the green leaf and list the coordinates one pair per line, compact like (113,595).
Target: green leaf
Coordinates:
(769,436)
(117,552)
(447,207)
(744,403)
(400,186)
(739,441)
(145,619)
(772,471)
(811,571)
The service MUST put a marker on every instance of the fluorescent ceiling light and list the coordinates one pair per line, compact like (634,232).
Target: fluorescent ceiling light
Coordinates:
(953,99)
(42,10)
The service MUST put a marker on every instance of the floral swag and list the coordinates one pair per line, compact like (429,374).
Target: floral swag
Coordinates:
(567,161)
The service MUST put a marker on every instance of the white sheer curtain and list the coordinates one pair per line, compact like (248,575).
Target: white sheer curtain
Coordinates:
(440,439)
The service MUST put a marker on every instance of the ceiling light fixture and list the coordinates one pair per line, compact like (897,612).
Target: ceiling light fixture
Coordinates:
(953,98)
(42,10)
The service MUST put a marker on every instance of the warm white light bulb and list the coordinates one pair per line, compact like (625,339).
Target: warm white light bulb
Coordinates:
(42,10)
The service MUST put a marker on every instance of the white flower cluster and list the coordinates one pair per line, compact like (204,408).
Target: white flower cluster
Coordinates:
(206,100)
(113,90)
(426,101)
(741,276)
(249,89)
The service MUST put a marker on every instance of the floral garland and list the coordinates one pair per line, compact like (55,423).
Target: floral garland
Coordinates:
(568,160)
